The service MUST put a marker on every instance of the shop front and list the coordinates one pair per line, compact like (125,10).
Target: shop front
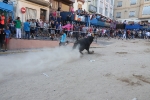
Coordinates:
(34,10)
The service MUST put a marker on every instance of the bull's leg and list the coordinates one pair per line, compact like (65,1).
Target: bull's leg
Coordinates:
(89,52)
(81,49)
(81,52)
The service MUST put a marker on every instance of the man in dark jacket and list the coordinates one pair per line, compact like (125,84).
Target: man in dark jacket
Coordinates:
(2,39)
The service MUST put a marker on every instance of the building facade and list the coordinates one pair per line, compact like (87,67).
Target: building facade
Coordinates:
(132,10)
(35,9)
(103,7)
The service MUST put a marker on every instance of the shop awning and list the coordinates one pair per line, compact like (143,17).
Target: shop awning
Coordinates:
(6,7)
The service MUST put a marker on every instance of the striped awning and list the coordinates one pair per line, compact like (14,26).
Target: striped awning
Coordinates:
(6,7)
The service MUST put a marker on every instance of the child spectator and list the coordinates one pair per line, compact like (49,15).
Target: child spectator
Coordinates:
(7,37)
(63,39)
(12,28)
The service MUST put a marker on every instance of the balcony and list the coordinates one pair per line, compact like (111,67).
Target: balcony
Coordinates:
(118,16)
(131,15)
(40,2)
(119,5)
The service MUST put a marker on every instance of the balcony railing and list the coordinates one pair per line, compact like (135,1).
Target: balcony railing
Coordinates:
(41,2)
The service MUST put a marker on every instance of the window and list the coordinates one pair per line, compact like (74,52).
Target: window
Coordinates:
(100,10)
(111,16)
(107,0)
(132,14)
(119,4)
(147,0)
(146,10)
(43,14)
(118,15)
(31,13)
(132,2)
(106,6)
(112,1)
(111,10)
(95,4)
(101,4)
(55,5)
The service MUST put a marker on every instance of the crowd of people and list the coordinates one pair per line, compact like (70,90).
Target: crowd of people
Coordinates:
(58,29)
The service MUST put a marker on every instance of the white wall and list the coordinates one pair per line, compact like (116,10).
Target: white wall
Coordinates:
(23,3)
(103,6)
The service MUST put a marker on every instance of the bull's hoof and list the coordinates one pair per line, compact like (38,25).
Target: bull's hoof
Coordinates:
(92,52)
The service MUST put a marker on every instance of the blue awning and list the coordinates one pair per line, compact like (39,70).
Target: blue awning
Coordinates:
(93,21)
(6,7)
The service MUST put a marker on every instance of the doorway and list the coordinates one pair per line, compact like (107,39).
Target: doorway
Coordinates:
(43,14)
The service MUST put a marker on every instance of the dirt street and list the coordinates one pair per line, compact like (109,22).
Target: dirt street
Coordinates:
(118,70)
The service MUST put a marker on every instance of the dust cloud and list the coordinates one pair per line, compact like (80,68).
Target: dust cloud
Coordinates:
(38,61)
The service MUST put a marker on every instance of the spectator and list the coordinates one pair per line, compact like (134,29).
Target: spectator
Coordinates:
(54,14)
(124,34)
(89,33)
(84,31)
(53,27)
(2,38)
(2,22)
(46,26)
(76,29)
(8,36)
(148,35)
(60,27)
(72,9)
(27,29)
(41,26)
(59,19)
(12,28)
(32,28)
(18,28)
(57,29)
(9,19)
(37,27)
(63,39)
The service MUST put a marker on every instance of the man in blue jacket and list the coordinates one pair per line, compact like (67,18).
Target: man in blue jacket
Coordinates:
(27,29)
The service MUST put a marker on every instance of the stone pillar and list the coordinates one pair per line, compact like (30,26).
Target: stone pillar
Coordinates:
(98,6)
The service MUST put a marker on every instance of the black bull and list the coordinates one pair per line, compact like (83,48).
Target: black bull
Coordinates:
(84,44)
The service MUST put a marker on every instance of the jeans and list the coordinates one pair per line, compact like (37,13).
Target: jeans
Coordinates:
(18,32)
(27,35)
